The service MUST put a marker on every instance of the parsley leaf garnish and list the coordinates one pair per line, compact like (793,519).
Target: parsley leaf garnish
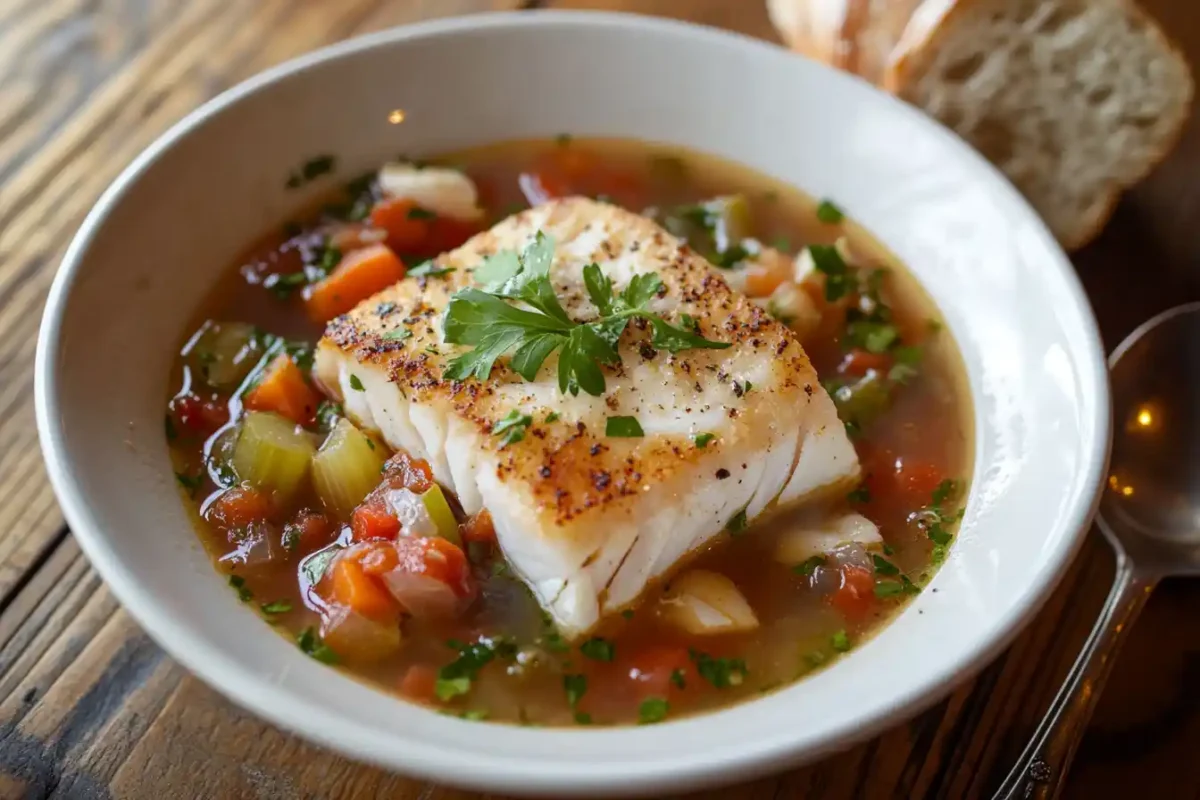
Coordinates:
(239,585)
(839,281)
(883,566)
(623,427)
(840,641)
(398,335)
(276,607)
(829,213)
(356,383)
(485,319)
(576,687)
(702,439)
(427,269)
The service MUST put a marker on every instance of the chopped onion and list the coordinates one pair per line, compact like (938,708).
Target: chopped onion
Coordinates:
(258,547)
(272,453)
(445,192)
(422,595)
(224,353)
(703,602)
(408,507)
(800,544)
(346,468)
(358,639)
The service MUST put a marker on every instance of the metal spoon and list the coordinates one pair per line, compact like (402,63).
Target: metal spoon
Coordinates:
(1150,513)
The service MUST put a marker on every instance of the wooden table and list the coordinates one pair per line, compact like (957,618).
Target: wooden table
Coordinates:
(91,708)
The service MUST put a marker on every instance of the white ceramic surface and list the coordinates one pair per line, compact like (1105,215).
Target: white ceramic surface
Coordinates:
(158,238)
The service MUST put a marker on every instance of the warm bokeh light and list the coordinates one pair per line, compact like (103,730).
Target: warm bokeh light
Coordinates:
(396,116)
(1145,418)
(1127,490)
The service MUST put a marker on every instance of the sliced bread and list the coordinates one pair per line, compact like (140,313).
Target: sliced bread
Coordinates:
(1075,100)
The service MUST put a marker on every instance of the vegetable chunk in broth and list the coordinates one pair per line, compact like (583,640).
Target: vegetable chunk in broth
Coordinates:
(354,549)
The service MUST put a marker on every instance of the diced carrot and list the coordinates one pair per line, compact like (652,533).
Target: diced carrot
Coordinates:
(479,528)
(372,520)
(284,390)
(856,596)
(378,558)
(859,362)
(437,558)
(353,587)
(238,507)
(762,278)
(360,274)
(419,683)
(447,233)
(406,224)
(917,478)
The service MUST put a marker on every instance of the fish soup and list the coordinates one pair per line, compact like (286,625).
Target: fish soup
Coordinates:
(361,551)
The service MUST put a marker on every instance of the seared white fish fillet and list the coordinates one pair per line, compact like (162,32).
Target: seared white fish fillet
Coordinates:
(586,520)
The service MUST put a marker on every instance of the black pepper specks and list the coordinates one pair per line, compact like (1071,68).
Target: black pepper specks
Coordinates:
(722,474)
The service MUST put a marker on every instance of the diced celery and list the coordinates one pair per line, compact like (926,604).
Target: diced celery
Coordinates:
(731,221)
(860,403)
(224,353)
(272,453)
(440,513)
(346,468)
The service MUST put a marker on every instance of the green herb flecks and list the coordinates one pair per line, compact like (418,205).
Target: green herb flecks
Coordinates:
(486,319)
(737,523)
(398,335)
(575,687)
(598,649)
(311,644)
(428,269)
(276,607)
(829,213)
(356,383)
(455,678)
(418,213)
(310,170)
(839,281)
(652,710)
(239,585)
(720,672)
(840,641)
(512,427)
(809,565)
(191,483)
(701,440)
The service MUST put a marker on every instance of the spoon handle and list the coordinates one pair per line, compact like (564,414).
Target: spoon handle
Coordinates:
(1040,773)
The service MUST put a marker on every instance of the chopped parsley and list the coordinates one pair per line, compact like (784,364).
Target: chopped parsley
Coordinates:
(737,523)
(839,281)
(355,383)
(428,269)
(276,607)
(702,439)
(239,585)
(678,680)
(418,213)
(782,243)
(888,587)
(310,644)
(689,323)
(485,319)
(511,428)
(840,641)
(720,672)
(449,688)
(936,519)
(455,678)
(652,710)
(860,494)
(809,565)
(829,213)
(552,417)
(576,688)
(627,613)
(883,566)
(398,335)
(598,649)
(623,427)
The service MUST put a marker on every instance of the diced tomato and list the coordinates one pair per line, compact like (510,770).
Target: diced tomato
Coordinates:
(407,225)
(354,588)
(419,683)
(447,233)
(372,520)
(402,471)
(237,508)
(653,671)
(540,187)
(859,362)
(856,596)
(307,532)
(479,528)
(199,417)
(900,483)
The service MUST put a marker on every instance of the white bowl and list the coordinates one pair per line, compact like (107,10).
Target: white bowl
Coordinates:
(160,236)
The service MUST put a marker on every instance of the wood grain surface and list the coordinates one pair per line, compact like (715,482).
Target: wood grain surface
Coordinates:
(91,708)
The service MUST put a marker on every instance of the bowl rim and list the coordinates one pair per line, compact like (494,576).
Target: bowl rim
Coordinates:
(269,702)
